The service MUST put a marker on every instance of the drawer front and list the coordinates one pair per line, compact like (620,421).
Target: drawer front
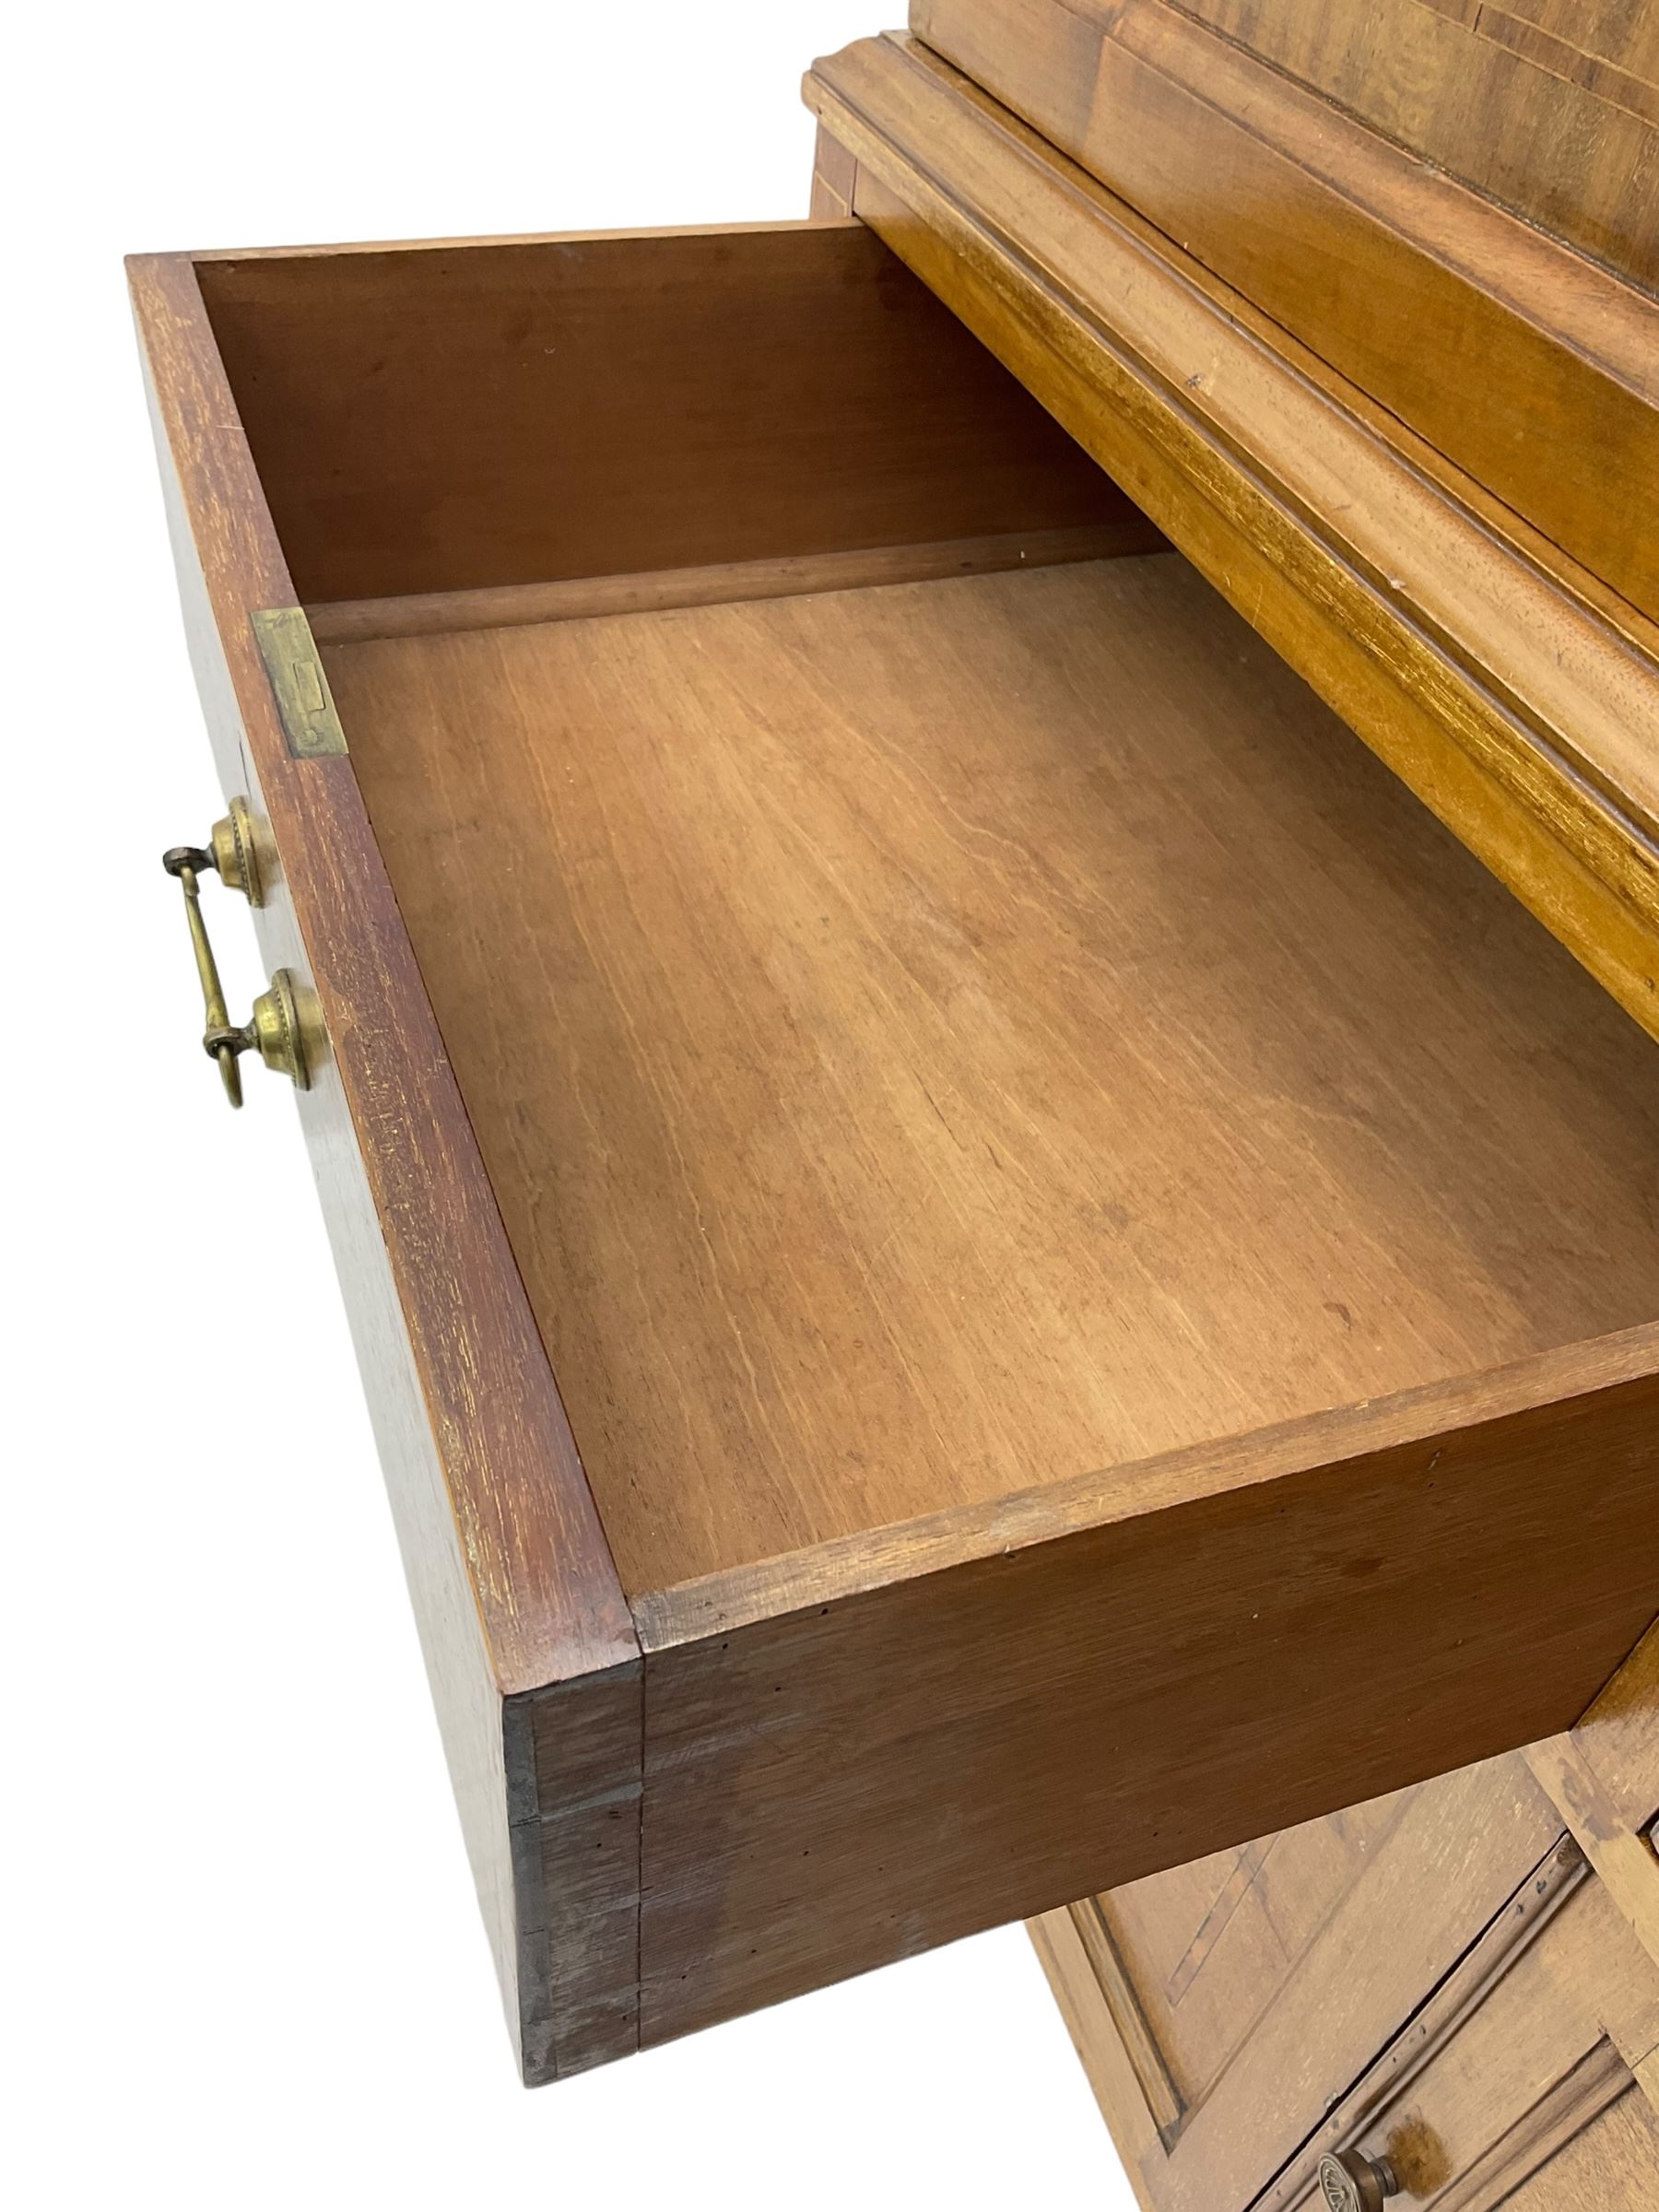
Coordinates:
(1480,2097)
(1249,1990)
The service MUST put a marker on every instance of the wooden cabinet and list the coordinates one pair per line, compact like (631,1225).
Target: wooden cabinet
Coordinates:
(1458,1984)
(986,1257)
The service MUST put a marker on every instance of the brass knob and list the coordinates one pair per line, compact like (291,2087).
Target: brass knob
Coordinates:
(275,1029)
(1350,2181)
(235,853)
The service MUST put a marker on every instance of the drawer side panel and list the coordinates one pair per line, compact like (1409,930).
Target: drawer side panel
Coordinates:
(508,1567)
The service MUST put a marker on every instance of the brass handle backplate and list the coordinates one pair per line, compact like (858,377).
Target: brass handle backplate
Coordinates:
(275,1029)
(1350,2181)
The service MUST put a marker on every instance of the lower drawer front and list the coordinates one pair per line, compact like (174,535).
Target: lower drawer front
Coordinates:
(1226,2007)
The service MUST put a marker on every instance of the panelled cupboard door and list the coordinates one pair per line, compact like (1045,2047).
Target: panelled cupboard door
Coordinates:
(1249,1990)
(1443,1984)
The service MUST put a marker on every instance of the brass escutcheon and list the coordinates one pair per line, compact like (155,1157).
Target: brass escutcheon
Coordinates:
(276,1028)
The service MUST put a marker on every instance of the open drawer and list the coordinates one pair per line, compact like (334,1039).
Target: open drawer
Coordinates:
(984,1260)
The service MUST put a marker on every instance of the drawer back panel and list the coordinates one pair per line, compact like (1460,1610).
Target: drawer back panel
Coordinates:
(445,420)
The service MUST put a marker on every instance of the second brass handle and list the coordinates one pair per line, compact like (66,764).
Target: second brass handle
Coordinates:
(274,1029)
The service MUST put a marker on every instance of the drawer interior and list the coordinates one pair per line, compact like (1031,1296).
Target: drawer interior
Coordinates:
(938,1024)
(936,1040)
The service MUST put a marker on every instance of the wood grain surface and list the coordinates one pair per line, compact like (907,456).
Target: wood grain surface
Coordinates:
(1271,1976)
(1535,370)
(1607,2168)
(1522,2073)
(450,419)
(1236,1639)
(932,1041)
(1450,2014)
(1548,106)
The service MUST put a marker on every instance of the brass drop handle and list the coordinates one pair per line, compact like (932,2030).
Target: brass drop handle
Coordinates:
(274,1029)
(1350,2181)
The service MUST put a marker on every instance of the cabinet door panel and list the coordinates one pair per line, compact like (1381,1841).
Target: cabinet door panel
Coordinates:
(1252,1989)
(1209,1947)
(1460,1979)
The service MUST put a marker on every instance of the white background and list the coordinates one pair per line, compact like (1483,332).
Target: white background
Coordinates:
(242,1962)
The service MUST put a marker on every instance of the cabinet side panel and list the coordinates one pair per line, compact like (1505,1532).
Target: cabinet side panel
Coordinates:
(1104,2054)
(1535,119)
(1526,365)
(834,175)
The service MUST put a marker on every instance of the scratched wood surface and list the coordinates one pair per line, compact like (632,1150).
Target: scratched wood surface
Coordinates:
(934,1041)
(1610,2167)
